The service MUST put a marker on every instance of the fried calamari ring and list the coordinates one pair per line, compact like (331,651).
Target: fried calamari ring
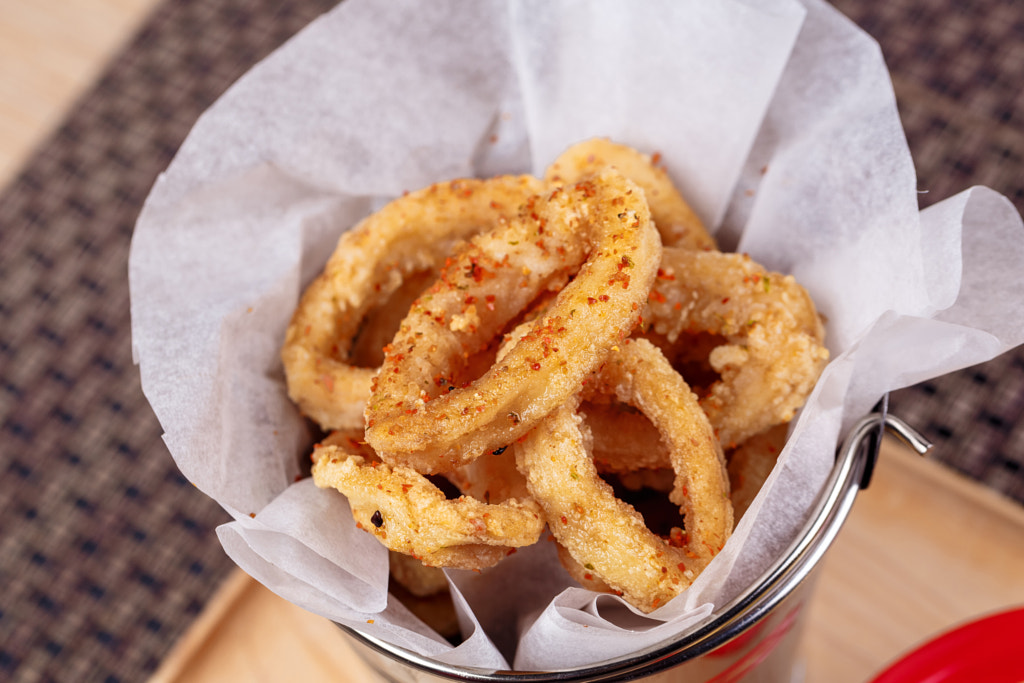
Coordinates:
(492,477)
(597,237)
(751,463)
(678,224)
(408,514)
(424,591)
(607,536)
(774,351)
(623,439)
(416,577)
(411,235)
(580,574)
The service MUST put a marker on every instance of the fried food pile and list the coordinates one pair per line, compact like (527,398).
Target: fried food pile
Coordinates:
(546,347)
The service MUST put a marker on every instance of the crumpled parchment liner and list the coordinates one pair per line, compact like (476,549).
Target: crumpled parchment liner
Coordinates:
(776,119)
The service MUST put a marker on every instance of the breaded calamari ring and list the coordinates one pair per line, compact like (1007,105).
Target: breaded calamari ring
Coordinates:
(492,477)
(750,463)
(414,576)
(606,535)
(638,460)
(410,235)
(678,224)
(580,574)
(595,235)
(408,514)
(623,439)
(775,339)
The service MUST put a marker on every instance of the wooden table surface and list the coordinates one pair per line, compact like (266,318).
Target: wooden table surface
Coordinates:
(923,550)
(51,51)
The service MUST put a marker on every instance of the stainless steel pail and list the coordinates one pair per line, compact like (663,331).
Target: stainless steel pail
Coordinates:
(752,639)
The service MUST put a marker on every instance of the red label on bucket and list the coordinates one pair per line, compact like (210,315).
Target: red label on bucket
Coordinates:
(759,652)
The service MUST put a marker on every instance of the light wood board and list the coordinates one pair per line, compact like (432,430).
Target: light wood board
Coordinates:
(51,51)
(923,550)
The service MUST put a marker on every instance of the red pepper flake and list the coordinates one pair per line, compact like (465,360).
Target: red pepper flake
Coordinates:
(591,300)
(725,300)
(587,189)
(657,296)
(656,158)
(665,275)
(564,520)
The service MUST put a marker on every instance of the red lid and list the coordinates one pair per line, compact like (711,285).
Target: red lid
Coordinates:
(988,649)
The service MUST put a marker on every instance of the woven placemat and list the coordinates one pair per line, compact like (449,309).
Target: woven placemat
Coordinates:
(957,70)
(106,553)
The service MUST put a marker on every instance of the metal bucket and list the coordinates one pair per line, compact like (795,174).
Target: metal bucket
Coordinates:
(752,639)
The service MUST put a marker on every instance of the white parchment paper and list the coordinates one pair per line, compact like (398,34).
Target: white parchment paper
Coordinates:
(776,119)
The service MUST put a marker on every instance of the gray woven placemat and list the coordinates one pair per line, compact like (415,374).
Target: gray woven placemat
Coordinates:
(958,70)
(106,553)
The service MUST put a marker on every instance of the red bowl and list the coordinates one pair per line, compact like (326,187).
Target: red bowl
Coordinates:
(989,649)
